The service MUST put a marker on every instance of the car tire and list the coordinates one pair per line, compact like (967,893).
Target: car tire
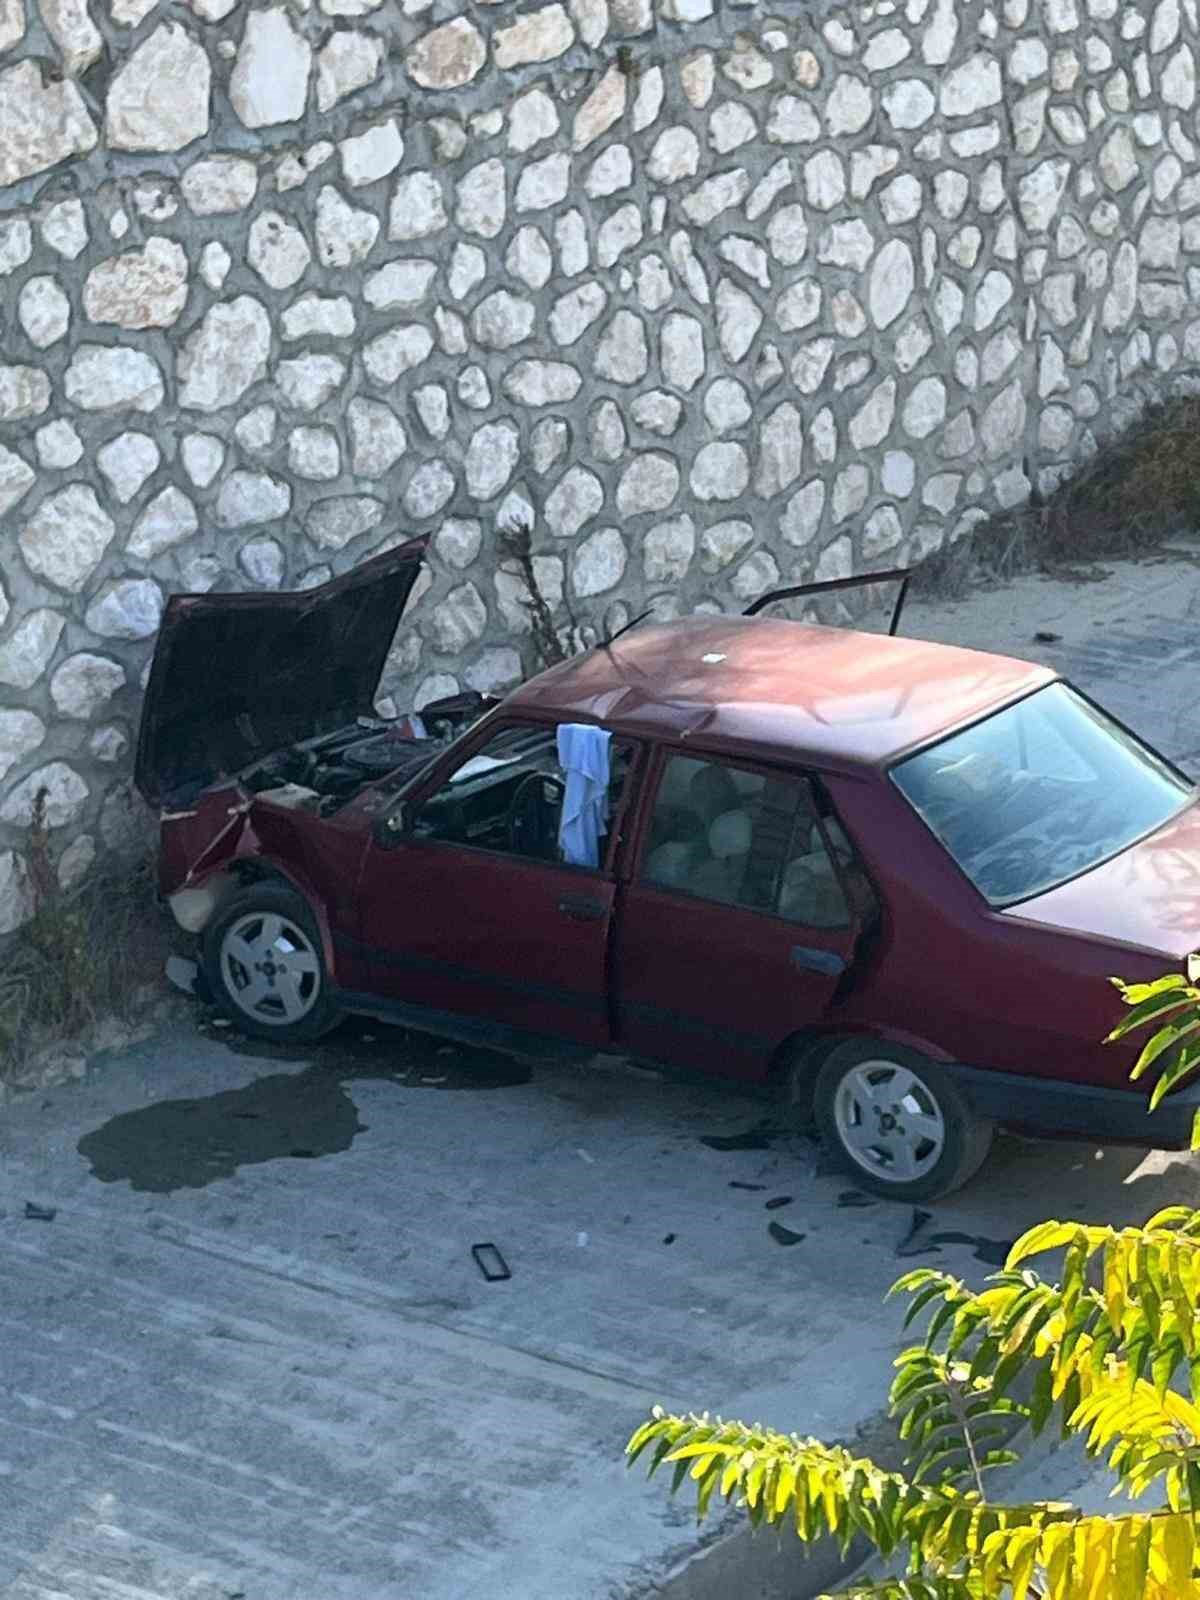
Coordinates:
(265,966)
(898,1122)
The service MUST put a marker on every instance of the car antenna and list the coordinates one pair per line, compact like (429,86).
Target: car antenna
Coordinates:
(641,617)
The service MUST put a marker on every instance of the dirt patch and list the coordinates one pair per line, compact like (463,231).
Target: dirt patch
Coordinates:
(1141,488)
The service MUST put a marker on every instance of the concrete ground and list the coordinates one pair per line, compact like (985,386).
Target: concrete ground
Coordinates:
(252,1356)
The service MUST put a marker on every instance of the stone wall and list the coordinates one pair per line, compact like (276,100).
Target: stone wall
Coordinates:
(722,295)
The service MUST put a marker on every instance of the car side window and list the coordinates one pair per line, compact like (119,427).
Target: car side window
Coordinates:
(743,838)
(508,796)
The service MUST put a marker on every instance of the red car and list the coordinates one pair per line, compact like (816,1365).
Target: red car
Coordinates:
(891,877)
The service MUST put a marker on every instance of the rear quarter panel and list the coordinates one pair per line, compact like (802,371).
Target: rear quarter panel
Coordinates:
(968,984)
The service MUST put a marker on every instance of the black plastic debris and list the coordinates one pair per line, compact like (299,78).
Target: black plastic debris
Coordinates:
(784,1236)
(855,1199)
(753,1139)
(1044,636)
(778,1201)
(37,1213)
(736,1183)
(669,1238)
(994,1252)
(912,1244)
(491,1263)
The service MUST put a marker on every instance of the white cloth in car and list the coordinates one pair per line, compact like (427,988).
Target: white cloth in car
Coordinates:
(583,754)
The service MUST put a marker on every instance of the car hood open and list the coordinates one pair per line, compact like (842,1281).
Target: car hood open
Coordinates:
(1148,895)
(236,676)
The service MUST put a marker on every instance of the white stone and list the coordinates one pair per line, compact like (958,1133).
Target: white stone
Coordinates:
(65,794)
(730,126)
(468,267)
(433,408)
(145,288)
(21,732)
(314,453)
(447,57)
(502,320)
(126,462)
(458,541)
(225,356)
(473,388)
(403,283)
(850,106)
(81,686)
(648,101)
(249,497)
(24,392)
(65,539)
(531,119)
(574,501)
(667,550)
(110,378)
(675,156)
(780,451)
(722,543)
(458,621)
(621,355)
(396,352)
(1003,423)
(64,228)
(269,83)
(574,312)
(16,479)
(215,262)
(602,108)
(1119,164)
(658,412)
(925,408)
(993,294)
(130,608)
(887,49)
(491,459)
(481,199)
(418,207)
(495,671)
(824,180)
(219,185)
(799,306)
(159,99)
(544,183)
(697,77)
(371,155)
(892,281)
(277,251)
(872,423)
(599,563)
(344,235)
(41,123)
(27,653)
(537,36)
(649,483)
(17,902)
(308,380)
(899,474)
(1178,84)
(529,258)
(348,62)
(901,201)
(1122,298)
(313,315)
(16,244)
(570,235)
(611,171)
(727,405)
(715,195)
(846,244)
(429,489)
(202,456)
(377,438)
(787,235)
(971,87)
(44,312)
(682,351)
(334,523)
(262,561)
(908,103)
(58,445)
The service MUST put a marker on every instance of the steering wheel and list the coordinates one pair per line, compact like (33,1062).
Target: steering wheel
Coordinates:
(533,815)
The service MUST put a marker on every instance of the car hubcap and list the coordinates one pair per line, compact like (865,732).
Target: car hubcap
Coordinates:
(270,968)
(888,1122)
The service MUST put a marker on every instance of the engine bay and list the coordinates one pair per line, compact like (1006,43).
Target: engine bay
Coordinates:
(324,773)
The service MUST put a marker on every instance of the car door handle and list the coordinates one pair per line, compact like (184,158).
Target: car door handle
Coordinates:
(825,962)
(582,910)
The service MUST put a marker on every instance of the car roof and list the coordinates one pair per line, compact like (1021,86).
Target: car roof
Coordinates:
(759,685)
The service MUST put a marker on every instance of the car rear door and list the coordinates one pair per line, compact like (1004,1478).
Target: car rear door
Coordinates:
(734,928)
(469,913)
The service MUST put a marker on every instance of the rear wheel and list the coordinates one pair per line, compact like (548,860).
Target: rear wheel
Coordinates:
(264,964)
(899,1122)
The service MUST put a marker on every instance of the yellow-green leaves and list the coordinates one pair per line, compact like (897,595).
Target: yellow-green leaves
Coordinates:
(1174,1048)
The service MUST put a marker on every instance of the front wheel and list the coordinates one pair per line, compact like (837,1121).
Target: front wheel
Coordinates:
(265,967)
(898,1121)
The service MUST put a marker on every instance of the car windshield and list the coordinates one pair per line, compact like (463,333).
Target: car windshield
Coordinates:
(1039,793)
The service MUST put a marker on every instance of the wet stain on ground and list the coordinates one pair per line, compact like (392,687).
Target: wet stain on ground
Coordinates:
(187,1144)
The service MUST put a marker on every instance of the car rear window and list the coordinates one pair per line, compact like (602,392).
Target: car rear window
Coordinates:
(1040,792)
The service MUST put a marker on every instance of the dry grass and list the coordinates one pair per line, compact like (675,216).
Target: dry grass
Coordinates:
(84,956)
(1138,490)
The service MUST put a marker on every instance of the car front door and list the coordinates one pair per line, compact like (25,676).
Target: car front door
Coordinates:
(471,912)
(735,928)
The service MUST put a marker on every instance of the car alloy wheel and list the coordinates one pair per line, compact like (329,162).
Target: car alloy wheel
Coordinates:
(888,1122)
(269,968)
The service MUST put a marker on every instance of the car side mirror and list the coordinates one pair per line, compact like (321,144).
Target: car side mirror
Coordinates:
(391,828)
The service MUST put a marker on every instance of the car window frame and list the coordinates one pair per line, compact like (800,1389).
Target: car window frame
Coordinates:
(996,906)
(472,744)
(808,781)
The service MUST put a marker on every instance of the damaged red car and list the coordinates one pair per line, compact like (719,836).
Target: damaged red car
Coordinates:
(890,877)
